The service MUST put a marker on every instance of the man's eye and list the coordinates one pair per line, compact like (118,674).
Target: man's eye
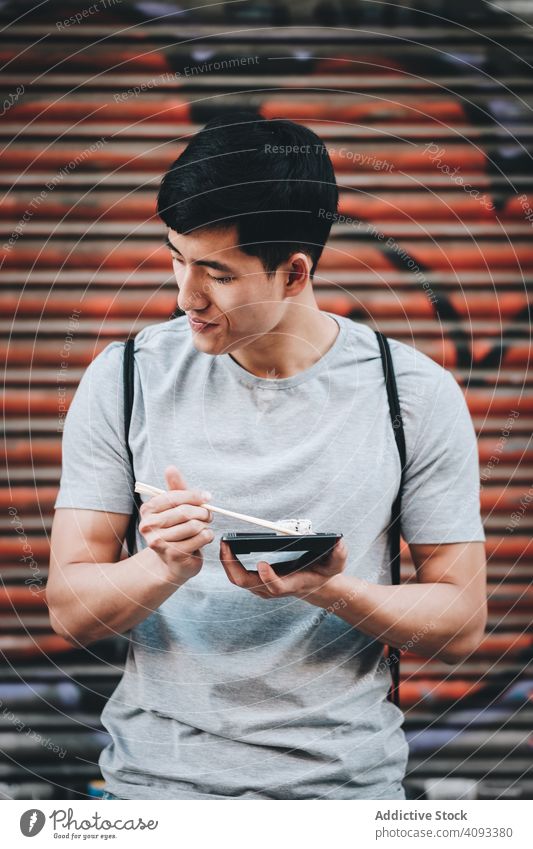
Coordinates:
(220,279)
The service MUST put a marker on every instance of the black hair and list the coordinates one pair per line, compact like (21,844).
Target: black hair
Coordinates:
(273,178)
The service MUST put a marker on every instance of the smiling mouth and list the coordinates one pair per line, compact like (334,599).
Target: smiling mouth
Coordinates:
(200,325)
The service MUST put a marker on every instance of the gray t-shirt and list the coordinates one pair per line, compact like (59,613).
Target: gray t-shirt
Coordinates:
(225,694)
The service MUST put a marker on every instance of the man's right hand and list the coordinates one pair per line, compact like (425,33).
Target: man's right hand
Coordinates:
(176,527)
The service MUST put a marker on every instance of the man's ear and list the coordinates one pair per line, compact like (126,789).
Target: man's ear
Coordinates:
(298,271)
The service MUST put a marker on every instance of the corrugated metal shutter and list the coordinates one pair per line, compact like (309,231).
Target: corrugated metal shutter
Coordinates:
(430,134)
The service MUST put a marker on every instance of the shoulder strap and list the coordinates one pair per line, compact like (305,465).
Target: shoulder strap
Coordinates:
(393,655)
(128,382)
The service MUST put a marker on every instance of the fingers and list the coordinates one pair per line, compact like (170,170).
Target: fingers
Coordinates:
(273,583)
(174,498)
(236,572)
(266,583)
(174,478)
(304,580)
(186,547)
(178,492)
(181,514)
(336,559)
(185,530)
(176,515)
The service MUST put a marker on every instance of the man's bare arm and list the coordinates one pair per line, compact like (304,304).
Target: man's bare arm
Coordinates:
(89,594)
(445,611)
(92,594)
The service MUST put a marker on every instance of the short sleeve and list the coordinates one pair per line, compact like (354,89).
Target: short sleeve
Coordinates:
(441,495)
(96,473)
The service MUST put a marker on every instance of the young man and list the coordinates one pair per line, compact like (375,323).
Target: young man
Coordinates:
(240,684)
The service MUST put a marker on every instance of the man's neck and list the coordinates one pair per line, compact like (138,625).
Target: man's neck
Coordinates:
(291,347)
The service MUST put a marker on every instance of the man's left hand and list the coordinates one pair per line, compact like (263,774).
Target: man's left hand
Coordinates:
(307,583)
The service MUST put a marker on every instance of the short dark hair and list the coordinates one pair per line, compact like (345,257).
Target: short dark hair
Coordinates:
(273,178)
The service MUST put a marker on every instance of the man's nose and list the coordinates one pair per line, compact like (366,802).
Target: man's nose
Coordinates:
(191,292)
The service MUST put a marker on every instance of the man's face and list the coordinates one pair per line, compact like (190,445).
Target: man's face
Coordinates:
(220,284)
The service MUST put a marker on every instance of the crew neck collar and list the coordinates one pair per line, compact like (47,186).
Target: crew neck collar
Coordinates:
(250,379)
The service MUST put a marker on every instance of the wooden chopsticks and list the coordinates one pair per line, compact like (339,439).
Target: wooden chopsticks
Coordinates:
(253,520)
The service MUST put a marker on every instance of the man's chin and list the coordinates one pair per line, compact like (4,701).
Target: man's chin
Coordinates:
(203,340)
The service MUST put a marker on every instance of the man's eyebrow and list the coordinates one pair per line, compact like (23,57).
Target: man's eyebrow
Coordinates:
(210,263)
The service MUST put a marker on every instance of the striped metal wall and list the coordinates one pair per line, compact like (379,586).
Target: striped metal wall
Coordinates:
(430,131)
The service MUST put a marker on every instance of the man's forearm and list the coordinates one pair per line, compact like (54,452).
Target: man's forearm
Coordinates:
(99,600)
(430,618)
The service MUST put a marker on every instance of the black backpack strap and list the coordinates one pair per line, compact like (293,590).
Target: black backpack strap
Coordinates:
(395,526)
(128,382)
